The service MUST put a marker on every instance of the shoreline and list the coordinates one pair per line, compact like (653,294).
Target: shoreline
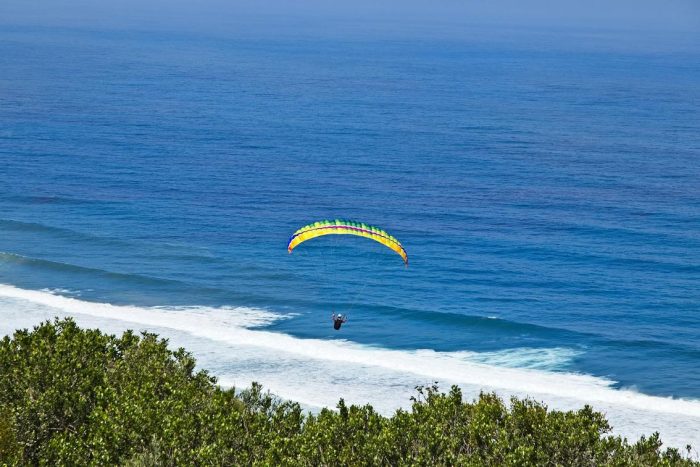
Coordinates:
(316,372)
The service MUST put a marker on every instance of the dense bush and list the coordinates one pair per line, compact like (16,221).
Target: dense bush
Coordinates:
(79,397)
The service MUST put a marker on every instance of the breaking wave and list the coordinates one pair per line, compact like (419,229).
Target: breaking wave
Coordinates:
(234,344)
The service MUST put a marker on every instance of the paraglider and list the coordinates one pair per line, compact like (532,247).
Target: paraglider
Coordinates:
(338,320)
(343,227)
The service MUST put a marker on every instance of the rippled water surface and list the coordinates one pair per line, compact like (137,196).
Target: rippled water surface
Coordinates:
(549,201)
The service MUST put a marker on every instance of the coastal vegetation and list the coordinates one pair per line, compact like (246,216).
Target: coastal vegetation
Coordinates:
(72,396)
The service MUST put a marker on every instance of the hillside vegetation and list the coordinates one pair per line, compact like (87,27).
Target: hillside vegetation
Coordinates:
(72,396)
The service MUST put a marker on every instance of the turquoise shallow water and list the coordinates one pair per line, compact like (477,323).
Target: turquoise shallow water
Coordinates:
(548,198)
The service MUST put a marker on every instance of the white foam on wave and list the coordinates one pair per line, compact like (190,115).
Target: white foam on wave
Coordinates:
(184,317)
(524,357)
(317,372)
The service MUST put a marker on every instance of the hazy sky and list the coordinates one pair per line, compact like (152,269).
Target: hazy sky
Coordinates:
(659,15)
(655,26)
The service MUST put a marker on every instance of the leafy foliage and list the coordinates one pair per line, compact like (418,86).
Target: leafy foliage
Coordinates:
(70,396)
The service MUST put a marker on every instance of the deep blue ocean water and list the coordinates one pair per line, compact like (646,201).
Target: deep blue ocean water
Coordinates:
(548,197)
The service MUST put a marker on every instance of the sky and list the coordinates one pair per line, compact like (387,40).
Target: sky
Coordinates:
(671,16)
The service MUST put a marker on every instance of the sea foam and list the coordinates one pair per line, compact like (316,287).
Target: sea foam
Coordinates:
(233,344)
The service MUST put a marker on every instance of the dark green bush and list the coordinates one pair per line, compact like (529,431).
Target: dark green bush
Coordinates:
(70,396)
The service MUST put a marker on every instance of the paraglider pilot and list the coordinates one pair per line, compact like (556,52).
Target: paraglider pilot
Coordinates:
(338,320)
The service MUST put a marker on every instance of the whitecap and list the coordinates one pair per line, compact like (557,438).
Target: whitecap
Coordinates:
(232,343)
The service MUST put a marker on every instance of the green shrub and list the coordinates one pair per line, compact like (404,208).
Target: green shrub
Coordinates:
(70,396)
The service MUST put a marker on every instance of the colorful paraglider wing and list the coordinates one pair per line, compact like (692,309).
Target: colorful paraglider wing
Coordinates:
(341,227)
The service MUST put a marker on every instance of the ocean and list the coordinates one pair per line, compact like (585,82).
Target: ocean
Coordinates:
(547,194)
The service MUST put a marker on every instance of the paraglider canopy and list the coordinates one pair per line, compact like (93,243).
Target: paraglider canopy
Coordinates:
(342,227)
